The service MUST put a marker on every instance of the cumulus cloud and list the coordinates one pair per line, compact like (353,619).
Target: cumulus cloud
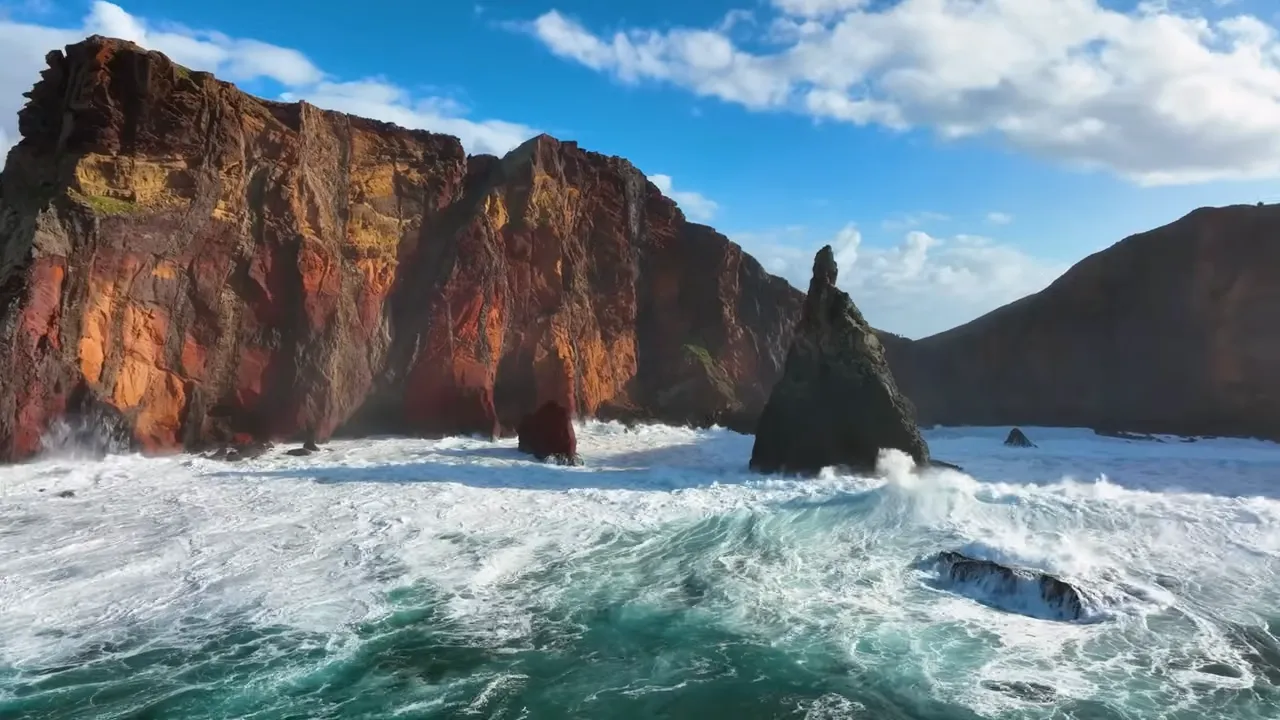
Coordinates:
(23,47)
(922,285)
(999,218)
(1160,94)
(695,205)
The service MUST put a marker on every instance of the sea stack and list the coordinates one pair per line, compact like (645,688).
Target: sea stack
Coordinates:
(836,403)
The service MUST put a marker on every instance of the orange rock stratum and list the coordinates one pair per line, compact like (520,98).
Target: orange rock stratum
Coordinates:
(204,266)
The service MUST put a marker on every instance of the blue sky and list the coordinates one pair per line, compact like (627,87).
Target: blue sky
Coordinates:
(959,153)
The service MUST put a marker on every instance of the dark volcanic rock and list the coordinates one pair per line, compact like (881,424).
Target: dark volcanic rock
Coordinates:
(1017,438)
(245,450)
(836,403)
(1171,331)
(213,266)
(548,433)
(562,459)
(298,452)
(1002,584)
(1125,435)
(1035,692)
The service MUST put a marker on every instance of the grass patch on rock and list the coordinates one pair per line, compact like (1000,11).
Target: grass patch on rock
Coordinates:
(105,204)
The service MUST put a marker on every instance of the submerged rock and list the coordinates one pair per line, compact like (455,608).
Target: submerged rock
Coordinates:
(66,494)
(1125,435)
(1017,438)
(837,403)
(299,452)
(1030,691)
(241,451)
(548,433)
(1003,584)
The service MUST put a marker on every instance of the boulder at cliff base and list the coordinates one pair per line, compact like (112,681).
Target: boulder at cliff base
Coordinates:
(548,433)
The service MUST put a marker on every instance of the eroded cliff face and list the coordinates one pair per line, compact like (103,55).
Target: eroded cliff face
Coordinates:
(1176,330)
(208,267)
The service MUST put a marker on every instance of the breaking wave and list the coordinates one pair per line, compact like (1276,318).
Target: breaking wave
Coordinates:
(454,578)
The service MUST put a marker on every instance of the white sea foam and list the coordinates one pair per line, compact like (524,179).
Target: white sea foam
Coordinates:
(1178,544)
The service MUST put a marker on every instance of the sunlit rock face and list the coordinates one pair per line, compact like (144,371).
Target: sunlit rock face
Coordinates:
(217,268)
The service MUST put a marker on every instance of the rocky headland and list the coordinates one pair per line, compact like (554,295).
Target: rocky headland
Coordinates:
(204,267)
(1173,331)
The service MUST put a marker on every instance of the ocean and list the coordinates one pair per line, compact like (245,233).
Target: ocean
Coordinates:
(405,578)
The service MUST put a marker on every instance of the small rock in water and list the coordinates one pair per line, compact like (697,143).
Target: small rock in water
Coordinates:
(944,464)
(1030,691)
(1124,435)
(1004,580)
(311,446)
(66,494)
(548,433)
(246,451)
(299,451)
(562,459)
(1017,438)
(1222,670)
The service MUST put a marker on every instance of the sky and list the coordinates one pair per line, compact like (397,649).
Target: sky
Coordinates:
(957,154)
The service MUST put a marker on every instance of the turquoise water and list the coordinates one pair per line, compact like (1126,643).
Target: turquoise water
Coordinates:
(409,579)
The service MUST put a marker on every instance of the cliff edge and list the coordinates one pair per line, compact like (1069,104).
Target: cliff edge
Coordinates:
(203,266)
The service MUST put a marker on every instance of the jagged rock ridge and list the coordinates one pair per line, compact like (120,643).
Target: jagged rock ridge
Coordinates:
(836,403)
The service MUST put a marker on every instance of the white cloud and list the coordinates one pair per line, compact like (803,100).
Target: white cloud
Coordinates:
(999,218)
(382,100)
(913,220)
(232,59)
(704,61)
(921,286)
(23,47)
(697,206)
(1160,94)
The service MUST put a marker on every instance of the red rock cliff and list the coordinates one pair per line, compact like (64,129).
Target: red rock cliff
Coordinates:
(205,266)
(1176,330)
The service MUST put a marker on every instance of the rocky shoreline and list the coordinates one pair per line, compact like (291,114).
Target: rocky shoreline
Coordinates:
(186,267)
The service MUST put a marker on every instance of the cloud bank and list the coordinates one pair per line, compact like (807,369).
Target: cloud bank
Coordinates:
(923,285)
(1161,94)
